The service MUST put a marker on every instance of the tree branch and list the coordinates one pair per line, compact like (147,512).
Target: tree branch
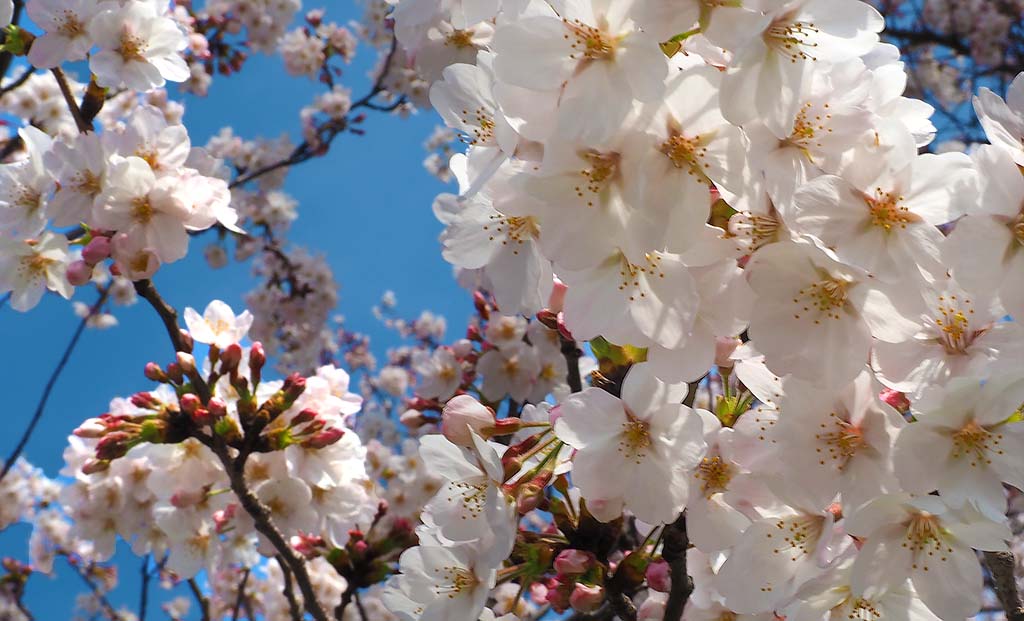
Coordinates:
(202,600)
(169,316)
(674,552)
(1001,566)
(572,355)
(260,515)
(69,98)
(38,414)
(289,592)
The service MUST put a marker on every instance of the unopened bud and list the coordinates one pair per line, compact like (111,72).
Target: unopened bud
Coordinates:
(79,273)
(557,298)
(325,438)
(91,428)
(217,407)
(114,445)
(257,358)
(572,562)
(186,362)
(96,250)
(481,305)
(659,576)
(413,419)
(154,373)
(174,373)
(92,466)
(189,403)
(145,401)
(463,414)
(307,415)
(187,498)
(230,358)
(586,598)
(294,386)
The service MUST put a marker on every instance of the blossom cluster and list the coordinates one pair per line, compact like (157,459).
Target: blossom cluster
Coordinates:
(134,192)
(147,470)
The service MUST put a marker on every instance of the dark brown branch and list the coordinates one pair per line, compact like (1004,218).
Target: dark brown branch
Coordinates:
(260,515)
(169,317)
(1001,566)
(202,600)
(674,553)
(572,355)
(69,98)
(41,406)
(289,592)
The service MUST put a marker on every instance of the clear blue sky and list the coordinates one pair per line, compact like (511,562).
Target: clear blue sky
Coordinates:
(366,206)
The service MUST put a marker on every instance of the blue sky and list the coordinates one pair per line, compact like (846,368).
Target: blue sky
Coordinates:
(365,206)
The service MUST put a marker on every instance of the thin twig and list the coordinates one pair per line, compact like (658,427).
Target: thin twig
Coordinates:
(1001,566)
(241,595)
(20,81)
(38,414)
(289,592)
(359,606)
(144,589)
(101,597)
(202,600)
(306,150)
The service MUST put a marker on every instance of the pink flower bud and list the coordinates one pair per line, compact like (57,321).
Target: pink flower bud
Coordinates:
(294,386)
(558,599)
(724,347)
(174,373)
(229,358)
(91,428)
(586,598)
(325,438)
(189,403)
(659,576)
(462,414)
(154,373)
(307,415)
(257,358)
(557,299)
(96,250)
(183,499)
(186,362)
(92,466)
(79,273)
(217,407)
(413,419)
(145,401)
(573,562)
